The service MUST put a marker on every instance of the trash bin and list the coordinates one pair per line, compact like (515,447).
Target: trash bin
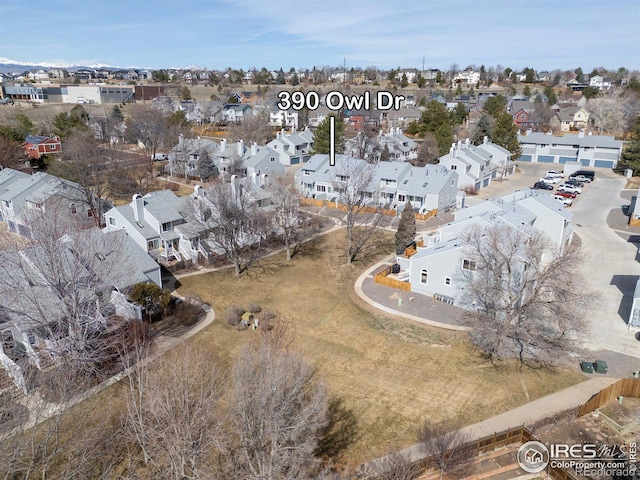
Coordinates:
(601,366)
(586,367)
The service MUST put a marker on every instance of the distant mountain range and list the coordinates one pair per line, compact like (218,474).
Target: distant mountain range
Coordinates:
(8,65)
(14,66)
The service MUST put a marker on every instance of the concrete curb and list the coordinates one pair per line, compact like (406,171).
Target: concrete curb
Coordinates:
(364,297)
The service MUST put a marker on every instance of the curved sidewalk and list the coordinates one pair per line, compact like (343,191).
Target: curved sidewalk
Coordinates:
(413,303)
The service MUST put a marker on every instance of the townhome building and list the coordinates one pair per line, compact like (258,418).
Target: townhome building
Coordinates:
(292,148)
(435,265)
(22,194)
(588,150)
(388,184)
(477,165)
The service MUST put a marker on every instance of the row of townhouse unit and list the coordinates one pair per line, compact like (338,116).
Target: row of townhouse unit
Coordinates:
(435,268)
(386,184)
(587,150)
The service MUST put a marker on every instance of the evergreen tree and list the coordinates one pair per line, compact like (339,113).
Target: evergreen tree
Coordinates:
(459,114)
(404,81)
(406,232)
(527,91)
(550,94)
(206,166)
(295,80)
(64,124)
(631,154)
(185,93)
(494,105)
(116,114)
(322,139)
(483,129)
(505,134)
(280,77)
(385,156)
(444,137)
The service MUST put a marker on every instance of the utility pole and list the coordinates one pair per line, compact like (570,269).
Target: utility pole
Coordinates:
(344,71)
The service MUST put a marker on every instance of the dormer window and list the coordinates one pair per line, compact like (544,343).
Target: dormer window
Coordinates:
(74,210)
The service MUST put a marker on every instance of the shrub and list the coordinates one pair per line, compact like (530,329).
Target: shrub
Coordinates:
(241,326)
(253,307)
(233,315)
(266,320)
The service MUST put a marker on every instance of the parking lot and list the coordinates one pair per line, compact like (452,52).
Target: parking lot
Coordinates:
(610,264)
(529,173)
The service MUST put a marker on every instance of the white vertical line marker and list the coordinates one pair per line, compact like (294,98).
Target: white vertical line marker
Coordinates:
(332,140)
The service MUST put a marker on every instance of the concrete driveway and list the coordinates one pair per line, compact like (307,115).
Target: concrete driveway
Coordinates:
(610,264)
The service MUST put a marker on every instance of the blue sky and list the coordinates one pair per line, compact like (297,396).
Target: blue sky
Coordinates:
(542,34)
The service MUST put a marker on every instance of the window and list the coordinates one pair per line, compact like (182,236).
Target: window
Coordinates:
(468,264)
(401,198)
(74,210)
(447,280)
(272,159)
(112,221)
(52,147)
(424,277)
(453,183)
(166,227)
(152,244)
(89,213)
(454,167)
(321,188)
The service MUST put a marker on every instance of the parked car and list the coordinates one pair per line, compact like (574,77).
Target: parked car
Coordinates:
(554,173)
(565,187)
(543,186)
(551,180)
(567,202)
(582,178)
(566,194)
(573,181)
(588,174)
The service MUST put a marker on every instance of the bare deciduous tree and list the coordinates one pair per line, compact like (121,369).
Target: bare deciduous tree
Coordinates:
(252,129)
(12,155)
(58,285)
(607,114)
(428,151)
(85,163)
(446,447)
(279,412)
(236,222)
(172,412)
(526,298)
(148,126)
(395,466)
(286,217)
(365,145)
(355,189)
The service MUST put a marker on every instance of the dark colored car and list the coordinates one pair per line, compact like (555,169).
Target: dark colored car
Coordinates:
(590,174)
(566,194)
(573,181)
(543,186)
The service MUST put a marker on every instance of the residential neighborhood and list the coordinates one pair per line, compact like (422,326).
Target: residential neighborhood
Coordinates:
(224,255)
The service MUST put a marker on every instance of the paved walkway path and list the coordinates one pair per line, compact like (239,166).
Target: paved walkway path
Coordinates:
(164,343)
(527,414)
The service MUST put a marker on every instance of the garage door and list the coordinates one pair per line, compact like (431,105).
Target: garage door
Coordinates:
(546,158)
(566,159)
(603,163)
(585,162)
(295,160)
(477,186)
(524,158)
(485,182)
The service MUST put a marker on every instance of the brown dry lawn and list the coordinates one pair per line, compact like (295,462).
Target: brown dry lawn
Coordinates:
(391,374)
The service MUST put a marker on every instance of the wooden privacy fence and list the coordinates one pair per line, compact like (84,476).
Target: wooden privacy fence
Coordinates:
(506,438)
(384,211)
(381,278)
(627,387)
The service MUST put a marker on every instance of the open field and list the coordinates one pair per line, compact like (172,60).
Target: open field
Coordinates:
(391,374)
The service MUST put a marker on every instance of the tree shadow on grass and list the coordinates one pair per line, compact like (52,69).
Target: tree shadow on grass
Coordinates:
(341,432)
